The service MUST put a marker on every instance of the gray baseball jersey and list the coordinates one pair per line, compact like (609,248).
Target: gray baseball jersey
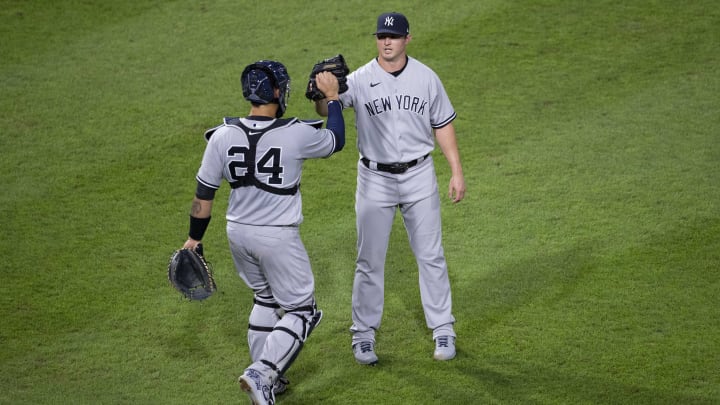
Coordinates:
(262,161)
(395,115)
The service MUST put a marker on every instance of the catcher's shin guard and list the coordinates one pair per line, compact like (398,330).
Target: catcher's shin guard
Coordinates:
(288,337)
(263,317)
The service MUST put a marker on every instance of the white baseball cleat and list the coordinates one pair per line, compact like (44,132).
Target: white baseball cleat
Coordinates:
(444,348)
(365,353)
(257,386)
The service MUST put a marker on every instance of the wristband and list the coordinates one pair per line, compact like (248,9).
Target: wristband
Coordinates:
(198,227)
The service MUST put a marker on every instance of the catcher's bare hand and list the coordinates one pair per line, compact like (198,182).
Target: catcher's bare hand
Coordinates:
(328,84)
(191,244)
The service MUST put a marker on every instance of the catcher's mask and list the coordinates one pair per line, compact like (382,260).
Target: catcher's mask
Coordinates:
(259,81)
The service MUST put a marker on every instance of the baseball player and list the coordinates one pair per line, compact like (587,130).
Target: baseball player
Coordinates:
(261,157)
(399,105)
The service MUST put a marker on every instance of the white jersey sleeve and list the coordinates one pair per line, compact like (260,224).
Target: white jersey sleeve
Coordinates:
(395,115)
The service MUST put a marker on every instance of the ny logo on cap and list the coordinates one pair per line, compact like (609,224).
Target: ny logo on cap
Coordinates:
(389,21)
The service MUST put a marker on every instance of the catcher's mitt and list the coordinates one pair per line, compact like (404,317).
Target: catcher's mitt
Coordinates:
(335,65)
(190,274)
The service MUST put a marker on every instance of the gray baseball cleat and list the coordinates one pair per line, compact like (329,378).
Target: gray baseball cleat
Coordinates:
(365,353)
(444,348)
(281,385)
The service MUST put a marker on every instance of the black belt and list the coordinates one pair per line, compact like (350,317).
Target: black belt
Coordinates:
(394,168)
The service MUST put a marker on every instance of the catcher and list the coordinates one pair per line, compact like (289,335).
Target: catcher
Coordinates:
(261,157)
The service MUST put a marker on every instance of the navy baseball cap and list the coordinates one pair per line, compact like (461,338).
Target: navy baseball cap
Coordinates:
(392,23)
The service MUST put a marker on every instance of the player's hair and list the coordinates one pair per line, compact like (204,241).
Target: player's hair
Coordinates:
(259,81)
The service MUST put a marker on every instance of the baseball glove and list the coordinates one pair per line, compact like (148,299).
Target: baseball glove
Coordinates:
(190,274)
(337,66)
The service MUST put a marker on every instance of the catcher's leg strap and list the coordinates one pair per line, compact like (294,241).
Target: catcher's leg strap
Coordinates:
(286,340)
(263,317)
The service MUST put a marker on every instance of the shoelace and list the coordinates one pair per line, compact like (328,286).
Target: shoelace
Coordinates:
(365,347)
(442,341)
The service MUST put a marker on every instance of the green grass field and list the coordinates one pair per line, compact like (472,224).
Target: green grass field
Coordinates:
(584,259)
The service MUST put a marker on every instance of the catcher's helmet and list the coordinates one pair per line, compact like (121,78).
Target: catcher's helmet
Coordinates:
(259,81)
